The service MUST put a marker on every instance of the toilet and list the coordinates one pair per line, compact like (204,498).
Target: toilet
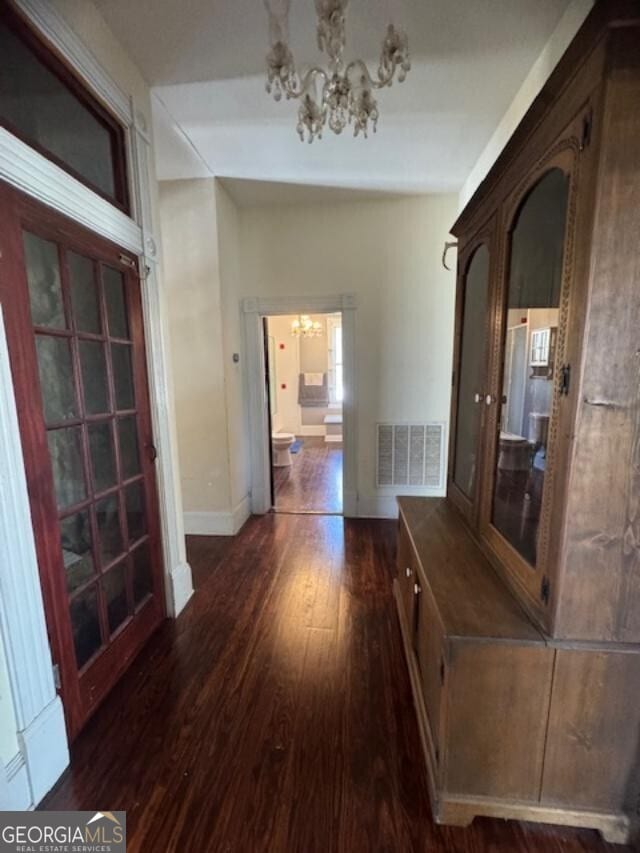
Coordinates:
(281,443)
(514,452)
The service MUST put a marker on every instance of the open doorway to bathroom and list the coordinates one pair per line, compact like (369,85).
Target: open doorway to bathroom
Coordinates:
(303,358)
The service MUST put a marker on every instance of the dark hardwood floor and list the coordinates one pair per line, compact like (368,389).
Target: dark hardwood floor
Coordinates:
(314,482)
(275,713)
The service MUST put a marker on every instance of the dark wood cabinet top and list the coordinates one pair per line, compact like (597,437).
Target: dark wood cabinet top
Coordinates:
(471,599)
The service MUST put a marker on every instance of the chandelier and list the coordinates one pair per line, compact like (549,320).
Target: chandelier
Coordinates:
(342,94)
(304,327)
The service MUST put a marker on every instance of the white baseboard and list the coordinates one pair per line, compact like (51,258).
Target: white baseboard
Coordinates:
(219,523)
(350,504)
(181,587)
(336,439)
(313,429)
(44,747)
(386,505)
(377,507)
(241,513)
(15,792)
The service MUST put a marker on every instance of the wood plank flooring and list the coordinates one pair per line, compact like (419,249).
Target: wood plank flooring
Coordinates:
(314,482)
(275,714)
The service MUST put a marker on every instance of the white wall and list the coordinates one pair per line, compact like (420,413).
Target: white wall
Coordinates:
(200,233)
(557,44)
(192,275)
(388,254)
(314,352)
(228,236)
(287,370)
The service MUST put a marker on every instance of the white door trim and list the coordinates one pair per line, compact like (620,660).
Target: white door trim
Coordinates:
(254,310)
(39,718)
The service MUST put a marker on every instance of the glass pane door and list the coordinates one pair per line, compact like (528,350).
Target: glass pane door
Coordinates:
(532,317)
(471,372)
(85,361)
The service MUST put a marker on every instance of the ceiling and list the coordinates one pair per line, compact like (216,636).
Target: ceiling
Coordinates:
(205,62)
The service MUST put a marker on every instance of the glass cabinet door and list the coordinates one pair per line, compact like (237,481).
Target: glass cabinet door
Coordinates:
(532,306)
(471,372)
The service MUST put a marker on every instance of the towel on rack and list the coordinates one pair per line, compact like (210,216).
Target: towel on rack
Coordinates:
(314,378)
(310,396)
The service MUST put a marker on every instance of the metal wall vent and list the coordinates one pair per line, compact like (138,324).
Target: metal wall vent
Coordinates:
(411,455)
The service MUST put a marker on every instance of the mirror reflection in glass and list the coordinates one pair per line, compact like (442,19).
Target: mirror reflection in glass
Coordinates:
(535,279)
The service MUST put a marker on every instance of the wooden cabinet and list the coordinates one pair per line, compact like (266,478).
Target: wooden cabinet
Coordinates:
(548,243)
(522,621)
(512,723)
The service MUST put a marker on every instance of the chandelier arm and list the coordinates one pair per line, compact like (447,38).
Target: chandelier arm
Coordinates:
(380,82)
(306,81)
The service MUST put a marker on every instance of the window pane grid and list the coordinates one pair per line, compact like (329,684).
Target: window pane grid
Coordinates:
(102,507)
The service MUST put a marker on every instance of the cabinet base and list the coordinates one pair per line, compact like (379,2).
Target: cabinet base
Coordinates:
(460,810)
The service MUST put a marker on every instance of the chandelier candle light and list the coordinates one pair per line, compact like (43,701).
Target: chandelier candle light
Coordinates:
(303,326)
(341,94)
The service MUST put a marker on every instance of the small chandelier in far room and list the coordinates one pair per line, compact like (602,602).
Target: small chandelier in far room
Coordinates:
(304,327)
(342,93)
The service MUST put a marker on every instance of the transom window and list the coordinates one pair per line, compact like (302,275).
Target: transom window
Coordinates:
(42,103)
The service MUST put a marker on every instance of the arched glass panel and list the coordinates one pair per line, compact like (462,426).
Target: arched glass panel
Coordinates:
(533,299)
(472,365)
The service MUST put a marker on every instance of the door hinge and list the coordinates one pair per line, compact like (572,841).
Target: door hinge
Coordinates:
(128,262)
(443,671)
(453,378)
(56,676)
(565,379)
(545,590)
(587,126)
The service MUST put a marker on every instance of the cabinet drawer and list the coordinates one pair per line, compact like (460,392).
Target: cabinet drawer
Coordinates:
(429,646)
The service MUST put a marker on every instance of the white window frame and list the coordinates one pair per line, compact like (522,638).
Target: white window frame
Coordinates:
(333,324)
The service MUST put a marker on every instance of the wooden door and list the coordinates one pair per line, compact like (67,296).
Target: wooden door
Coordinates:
(73,315)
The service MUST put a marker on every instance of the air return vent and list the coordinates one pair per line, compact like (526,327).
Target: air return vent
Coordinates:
(411,455)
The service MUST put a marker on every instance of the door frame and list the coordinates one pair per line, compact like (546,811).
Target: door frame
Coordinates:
(42,752)
(254,310)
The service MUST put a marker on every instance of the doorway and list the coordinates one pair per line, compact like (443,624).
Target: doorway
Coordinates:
(76,345)
(305,390)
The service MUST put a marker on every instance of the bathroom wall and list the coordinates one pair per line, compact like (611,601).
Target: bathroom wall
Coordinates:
(539,390)
(314,352)
(314,358)
(286,418)
(534,393)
